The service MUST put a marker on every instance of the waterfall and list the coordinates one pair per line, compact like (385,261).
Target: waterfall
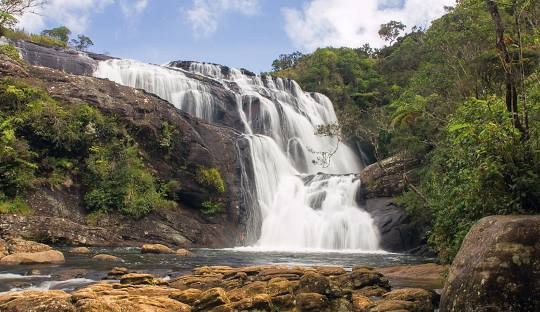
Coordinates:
(295,206)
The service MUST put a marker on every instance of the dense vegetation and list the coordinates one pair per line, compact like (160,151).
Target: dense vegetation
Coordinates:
(462,97)
(45,143)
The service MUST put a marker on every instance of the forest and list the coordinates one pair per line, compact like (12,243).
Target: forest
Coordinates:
(462,97)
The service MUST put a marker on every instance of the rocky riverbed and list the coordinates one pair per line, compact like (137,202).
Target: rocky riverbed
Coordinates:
(223,288)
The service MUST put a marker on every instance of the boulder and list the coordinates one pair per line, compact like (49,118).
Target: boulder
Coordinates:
(156,249)
(18,245)
(39,301)
(51,256)
(189,296)
(385,178)
(360,302)
(311,302)
(104,257)
(391,306)
(184,253)
(79,250)
(497,267)
(261,302)
(138,279)
(313,282)
(429,275)
(210,299)
(116,273)
(424,300)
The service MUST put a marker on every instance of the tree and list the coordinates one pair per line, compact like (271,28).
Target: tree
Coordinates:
(82,43)
(61,33)
(286,61)
(11,9)
(391,31)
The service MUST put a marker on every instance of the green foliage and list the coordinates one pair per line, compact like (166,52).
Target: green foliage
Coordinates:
(60,33)
(11,52)
(481,168)
(211,207)
(38,39)
(14,206)
(117,180)
(167,131)
(211,178)
(41,138)
(391,30)
(286,61)
(82,43)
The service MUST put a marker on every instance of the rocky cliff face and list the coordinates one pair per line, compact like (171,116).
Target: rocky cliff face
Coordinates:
(59,215)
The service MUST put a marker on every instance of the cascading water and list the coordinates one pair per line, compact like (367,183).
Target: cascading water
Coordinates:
(294,206)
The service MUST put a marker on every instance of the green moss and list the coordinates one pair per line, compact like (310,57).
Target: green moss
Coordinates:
(211,178)
(211,207)
(11,52)
(167,131)
(16,205)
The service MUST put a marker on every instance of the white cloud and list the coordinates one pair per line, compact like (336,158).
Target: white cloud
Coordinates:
(132,7)
(204,15)
(352,23)
(75,14)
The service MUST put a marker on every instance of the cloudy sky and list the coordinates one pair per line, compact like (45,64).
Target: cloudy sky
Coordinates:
(238,33)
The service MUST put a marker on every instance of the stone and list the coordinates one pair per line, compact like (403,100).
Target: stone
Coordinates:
(311,302)
(497,267)
(51,256)
(261,302)
(3,248)
(18,245)
(424,300)
(314,283)
(429,275)
(391,306)
(189,296)
(360,302)
(156,249)
(198,282)
(80,250)
(104,257)
(116,273)
(37,301)
(371,291)
(210,299)
(138,279)
(184,253)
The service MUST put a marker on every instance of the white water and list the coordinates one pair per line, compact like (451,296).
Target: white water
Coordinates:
(280,121)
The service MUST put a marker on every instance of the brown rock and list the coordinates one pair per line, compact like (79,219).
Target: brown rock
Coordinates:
(210,299)
(424,300)
(314,283)
(391,306)
(279,287)
(497,267)
(429,275)
(189,296)
(156,249)
(371,291)
(283,303)
(36,301)
(3,248)
(198,282)
(80,250)
(104,257)
(121,303)
(261,302)
(138,279)
(360,302)
(184,253)
(116,273)
(17,245)
(311,302)
(51,256)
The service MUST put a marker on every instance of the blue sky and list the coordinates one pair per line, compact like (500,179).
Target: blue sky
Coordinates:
(238,33)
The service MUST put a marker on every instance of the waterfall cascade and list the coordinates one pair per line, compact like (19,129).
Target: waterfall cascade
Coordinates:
(295,207)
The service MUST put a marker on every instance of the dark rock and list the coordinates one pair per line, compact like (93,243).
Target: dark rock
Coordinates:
(385,178)
(424,300)
(311,302)
(497,267)
(210,299)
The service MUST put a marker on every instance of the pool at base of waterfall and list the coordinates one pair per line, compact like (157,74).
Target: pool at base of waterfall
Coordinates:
(80,270)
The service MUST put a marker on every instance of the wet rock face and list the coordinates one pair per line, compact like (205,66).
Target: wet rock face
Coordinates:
(258,288)
(497,267)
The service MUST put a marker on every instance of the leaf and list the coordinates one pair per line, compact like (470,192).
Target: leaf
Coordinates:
(456,127)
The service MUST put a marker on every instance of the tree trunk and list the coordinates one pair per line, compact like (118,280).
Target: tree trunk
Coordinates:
(509,76)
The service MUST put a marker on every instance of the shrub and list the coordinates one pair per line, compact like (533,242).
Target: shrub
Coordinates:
(16,205)
(38,39)
(211,207)
(11,52)
(211,178)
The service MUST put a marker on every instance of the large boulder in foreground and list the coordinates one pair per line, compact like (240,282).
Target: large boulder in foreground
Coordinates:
(497,267)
